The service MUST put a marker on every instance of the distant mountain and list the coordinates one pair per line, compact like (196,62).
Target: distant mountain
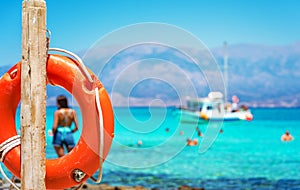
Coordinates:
(262,76)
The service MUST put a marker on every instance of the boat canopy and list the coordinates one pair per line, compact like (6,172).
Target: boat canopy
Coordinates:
(214,99)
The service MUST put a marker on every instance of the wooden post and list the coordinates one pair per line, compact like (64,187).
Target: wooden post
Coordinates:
(33,95)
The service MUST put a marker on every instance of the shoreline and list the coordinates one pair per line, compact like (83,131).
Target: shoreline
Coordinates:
(109,187)
(221,184)
(6,185)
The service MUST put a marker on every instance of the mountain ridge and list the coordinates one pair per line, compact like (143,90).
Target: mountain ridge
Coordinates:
(261,75)
(267,78)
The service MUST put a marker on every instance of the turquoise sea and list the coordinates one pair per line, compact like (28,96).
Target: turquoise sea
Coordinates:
(246,155)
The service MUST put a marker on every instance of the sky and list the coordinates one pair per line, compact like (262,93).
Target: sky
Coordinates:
(76,25)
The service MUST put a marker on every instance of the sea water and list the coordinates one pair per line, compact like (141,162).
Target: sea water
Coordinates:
(245,155)
(149,149)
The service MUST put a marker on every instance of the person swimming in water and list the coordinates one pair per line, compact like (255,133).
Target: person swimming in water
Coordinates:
(63,119)
(191,142)
(199,132)
(287,136)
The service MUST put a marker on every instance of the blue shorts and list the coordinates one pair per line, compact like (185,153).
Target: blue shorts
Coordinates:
(63,136)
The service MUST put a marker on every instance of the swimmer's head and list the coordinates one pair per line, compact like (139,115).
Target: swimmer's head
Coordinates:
(140,143)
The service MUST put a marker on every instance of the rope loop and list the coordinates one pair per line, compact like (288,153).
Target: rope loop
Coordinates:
(9,144)
(5,147)
(101,136)
(81,65)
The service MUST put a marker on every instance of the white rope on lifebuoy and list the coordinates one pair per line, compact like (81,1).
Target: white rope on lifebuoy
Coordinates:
(5,147)
(9,144)
(101,136)
(82,66)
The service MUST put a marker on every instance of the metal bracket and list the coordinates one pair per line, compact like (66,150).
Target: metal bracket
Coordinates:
(78,175)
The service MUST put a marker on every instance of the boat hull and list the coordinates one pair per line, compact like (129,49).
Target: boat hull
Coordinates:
(190,116)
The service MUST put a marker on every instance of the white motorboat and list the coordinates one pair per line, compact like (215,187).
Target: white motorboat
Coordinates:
(211,108)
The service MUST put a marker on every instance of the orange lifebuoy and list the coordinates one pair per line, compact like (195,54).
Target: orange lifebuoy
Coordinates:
(61,71)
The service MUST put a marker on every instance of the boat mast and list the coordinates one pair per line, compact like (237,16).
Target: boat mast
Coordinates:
(225,72)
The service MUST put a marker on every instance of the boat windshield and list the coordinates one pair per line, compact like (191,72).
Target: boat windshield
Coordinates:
(199,105)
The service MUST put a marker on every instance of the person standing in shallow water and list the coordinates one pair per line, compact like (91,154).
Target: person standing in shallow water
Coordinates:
(63,119)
